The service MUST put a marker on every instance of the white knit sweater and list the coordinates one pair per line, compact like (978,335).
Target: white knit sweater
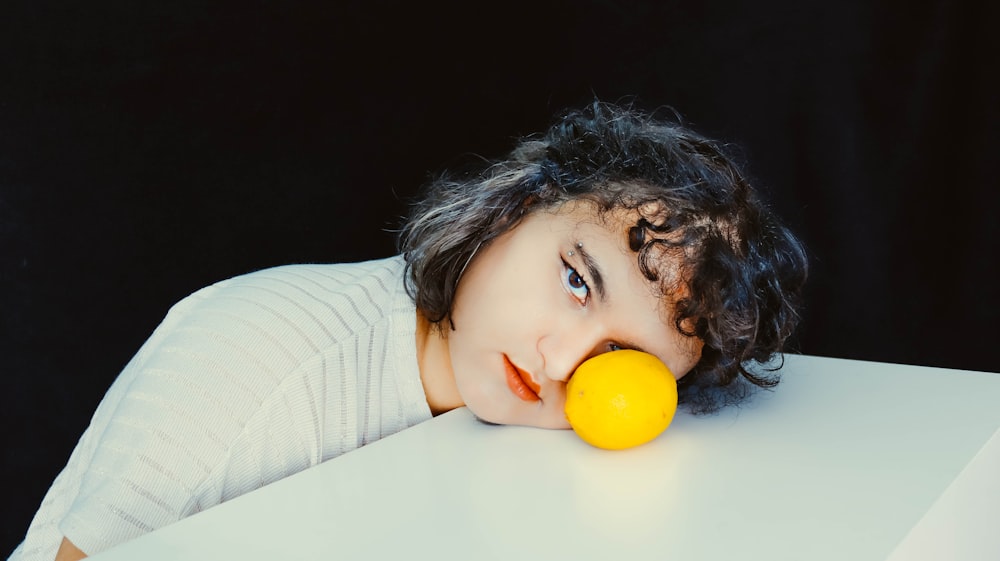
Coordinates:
(245,382)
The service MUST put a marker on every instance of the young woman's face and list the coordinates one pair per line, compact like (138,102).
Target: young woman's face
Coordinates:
(559,288)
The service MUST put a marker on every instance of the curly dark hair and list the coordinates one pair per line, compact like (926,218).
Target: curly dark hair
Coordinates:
(741,271)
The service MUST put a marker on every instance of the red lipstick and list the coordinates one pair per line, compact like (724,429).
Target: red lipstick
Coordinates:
(520,382)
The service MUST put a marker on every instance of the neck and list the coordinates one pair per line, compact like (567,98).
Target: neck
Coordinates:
(434,363)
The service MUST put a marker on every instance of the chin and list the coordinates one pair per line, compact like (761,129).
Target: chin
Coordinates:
(503,408)
(493,415)
(554,424)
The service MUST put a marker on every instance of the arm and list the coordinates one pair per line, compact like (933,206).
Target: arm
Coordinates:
(69,552)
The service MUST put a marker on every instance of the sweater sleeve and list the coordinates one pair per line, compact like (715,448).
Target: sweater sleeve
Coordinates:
(244,383)
(176,410)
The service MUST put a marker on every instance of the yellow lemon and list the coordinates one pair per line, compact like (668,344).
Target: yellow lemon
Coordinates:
(621,399)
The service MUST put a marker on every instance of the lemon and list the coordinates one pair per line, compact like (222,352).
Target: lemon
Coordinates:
(621,399)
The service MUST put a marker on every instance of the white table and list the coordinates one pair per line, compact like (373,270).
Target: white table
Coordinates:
(846,460)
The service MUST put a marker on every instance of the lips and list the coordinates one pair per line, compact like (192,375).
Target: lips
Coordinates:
(520,382)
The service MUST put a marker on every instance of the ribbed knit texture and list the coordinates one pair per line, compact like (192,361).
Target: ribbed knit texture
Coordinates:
(245,382)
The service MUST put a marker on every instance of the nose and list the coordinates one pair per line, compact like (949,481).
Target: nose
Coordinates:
(564,349)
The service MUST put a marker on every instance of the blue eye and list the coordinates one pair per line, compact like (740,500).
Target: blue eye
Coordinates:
(577,285)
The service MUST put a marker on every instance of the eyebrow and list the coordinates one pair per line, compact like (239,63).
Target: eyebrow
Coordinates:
(593,272)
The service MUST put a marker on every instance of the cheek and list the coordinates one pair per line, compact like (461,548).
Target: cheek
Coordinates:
(687,355)
(491,305)
(488,325)
(479,376)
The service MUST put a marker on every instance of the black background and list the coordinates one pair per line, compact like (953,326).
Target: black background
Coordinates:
(150,148)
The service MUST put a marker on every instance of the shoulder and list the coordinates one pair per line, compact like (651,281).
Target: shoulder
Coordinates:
(324,275)
(342,295)
(309,289)
(311,277)
(277,317)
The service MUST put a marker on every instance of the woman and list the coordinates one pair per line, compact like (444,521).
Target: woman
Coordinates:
(612,230)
